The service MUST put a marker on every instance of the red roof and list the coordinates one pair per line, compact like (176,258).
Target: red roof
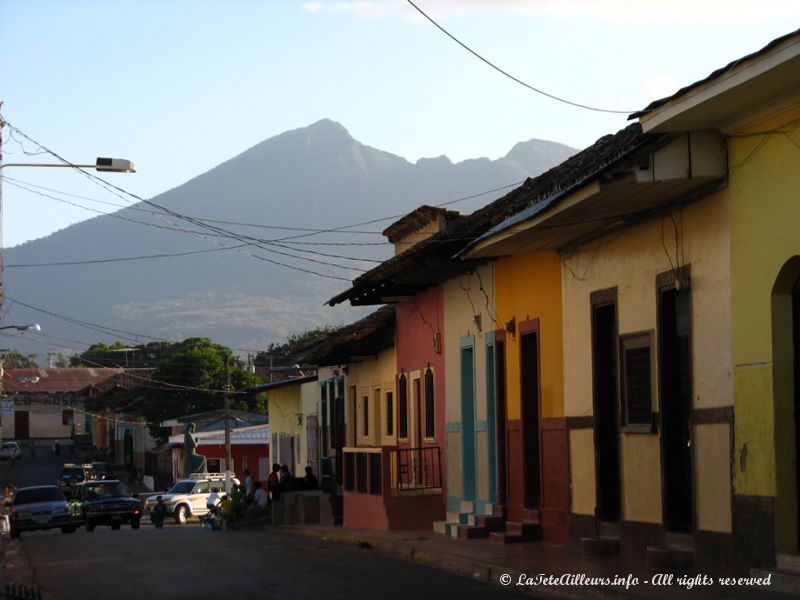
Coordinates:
(54,381)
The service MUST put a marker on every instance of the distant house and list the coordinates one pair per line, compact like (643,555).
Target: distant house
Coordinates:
(49,404)
(113,423)
(250,447)
(292,406)
(357,374)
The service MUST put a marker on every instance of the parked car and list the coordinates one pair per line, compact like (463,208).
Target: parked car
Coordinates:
(10,451)
(40,507)
(73,474)
(102,469)
(105,502)
(188,497)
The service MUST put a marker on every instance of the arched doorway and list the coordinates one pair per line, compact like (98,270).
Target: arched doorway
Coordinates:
(786,399)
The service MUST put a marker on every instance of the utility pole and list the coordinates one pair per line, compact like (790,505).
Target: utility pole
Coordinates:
(227,395)
(2,289)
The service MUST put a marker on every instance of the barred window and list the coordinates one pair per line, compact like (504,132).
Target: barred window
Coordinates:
(637,380)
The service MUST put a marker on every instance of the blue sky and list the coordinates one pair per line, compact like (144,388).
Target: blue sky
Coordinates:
(180,86)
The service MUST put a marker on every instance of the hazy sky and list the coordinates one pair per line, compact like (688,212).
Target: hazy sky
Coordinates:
(180,86)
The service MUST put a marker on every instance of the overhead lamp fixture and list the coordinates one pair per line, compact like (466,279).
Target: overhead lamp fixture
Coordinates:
(29,327)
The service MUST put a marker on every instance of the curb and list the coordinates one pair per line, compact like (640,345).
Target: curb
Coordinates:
(477,569)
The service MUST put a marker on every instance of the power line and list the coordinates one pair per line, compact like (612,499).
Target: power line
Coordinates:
(205,219)
(121,259)
(230,235)
(248,240)
(116,190)
(507,74)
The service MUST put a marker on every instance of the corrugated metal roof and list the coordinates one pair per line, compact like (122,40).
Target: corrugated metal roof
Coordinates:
(54,381)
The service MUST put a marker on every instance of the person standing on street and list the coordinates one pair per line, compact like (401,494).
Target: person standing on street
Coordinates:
(159,513)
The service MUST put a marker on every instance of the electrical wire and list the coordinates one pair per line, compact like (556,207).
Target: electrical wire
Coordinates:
(205,219)
(515,79)
(118,191)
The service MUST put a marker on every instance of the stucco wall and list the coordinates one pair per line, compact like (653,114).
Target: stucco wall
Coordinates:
(45,418)
(284,405)
(630,262)
(764,179)
(465,297)
(420,328)
(528,286)
(368,377)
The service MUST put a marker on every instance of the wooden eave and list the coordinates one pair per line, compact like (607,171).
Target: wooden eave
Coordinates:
(366,337)
(596,210)
(763,82)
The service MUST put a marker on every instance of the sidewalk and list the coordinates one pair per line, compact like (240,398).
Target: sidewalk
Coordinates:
(510,565)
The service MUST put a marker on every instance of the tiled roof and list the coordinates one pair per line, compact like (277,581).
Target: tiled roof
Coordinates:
(365,337)
(417,219)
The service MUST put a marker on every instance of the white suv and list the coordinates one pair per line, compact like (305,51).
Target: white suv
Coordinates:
(188,497)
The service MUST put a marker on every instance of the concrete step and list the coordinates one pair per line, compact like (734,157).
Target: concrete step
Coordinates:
(457,517)
(531,531)
(491,523)
(440,527)
(665,558)
(599,546)
(788,562)
(472,533)
(608,529)
(531,515)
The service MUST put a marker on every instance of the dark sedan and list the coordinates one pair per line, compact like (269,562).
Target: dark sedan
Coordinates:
(105,502)
(40,507)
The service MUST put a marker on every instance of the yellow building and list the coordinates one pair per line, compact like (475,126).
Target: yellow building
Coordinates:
(616,268)
(292,406)
(754,103)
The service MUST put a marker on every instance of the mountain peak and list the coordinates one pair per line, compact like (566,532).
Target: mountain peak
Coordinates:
(537,150)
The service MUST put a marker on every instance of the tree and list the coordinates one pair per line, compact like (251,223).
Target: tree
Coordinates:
(15,360)
(125,356)
(190,378)
(288,352)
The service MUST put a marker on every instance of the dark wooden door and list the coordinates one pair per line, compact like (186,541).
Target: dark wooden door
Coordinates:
(22,425)
(606,432)
(500,422)
(529,357)
(676,408)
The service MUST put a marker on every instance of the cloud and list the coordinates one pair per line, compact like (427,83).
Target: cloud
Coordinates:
(628,11)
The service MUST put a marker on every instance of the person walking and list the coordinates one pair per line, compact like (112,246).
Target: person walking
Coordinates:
(159,513)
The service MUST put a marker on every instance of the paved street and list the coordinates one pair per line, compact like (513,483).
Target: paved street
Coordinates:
(187,562)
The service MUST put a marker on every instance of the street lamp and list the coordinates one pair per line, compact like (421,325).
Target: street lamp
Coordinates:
(29,327)
(109,165)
